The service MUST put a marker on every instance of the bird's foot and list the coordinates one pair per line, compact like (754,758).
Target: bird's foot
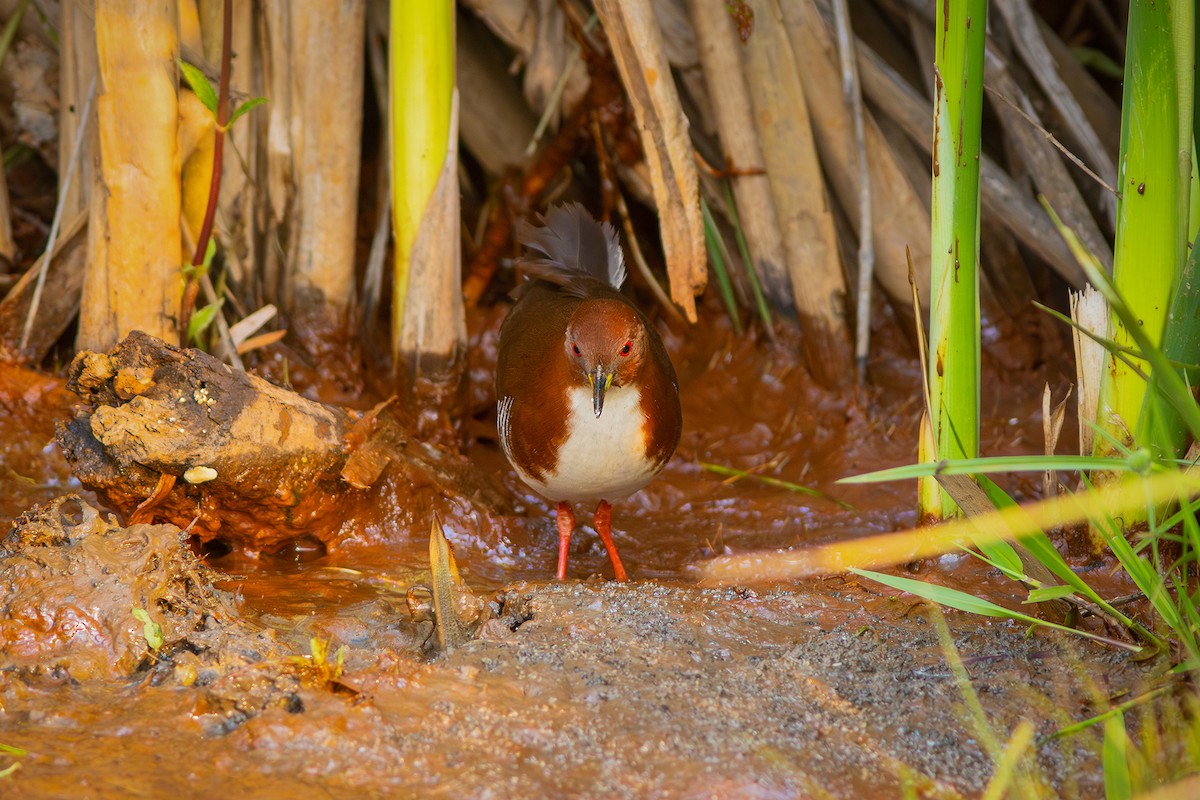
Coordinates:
(603,524)
(566,525)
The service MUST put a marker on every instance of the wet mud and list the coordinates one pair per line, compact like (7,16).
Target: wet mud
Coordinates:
(658,688)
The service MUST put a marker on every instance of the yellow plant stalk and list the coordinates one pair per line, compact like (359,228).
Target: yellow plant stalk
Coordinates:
(422,88)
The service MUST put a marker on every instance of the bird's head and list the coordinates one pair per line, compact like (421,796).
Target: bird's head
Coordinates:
(605,344)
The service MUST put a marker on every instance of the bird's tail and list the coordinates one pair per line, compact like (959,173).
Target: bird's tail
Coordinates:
(573,248)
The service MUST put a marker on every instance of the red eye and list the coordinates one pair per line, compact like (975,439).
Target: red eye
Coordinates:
(575,349)
(628,347)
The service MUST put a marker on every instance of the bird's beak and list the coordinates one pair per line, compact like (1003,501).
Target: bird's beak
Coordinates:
(600,383)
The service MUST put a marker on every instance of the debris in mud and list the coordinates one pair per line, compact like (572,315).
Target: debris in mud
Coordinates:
(71,582)
(261,465)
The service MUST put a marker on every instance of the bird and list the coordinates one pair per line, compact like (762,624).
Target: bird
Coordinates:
(587,403)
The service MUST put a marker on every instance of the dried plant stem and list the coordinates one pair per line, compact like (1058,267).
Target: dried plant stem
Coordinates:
(866,237)
(57,221)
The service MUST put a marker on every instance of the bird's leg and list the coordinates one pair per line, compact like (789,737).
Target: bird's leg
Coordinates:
(603,523)
(566,525)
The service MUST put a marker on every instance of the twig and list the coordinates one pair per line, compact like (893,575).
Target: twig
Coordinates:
(866,239)
(1027,39)
(57,221)
(1050,137)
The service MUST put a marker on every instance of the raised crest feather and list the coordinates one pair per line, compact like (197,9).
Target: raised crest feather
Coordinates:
(574,248)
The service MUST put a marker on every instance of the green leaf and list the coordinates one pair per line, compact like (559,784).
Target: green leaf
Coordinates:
(1049,593)
(243,109)
(992,465)
(953,598)
(210,251)
(150,629)
(202,319)
(200,85)
(764,310)
(8,749)
(718,257)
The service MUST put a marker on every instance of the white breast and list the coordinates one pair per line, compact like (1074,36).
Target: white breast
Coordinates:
(604,458)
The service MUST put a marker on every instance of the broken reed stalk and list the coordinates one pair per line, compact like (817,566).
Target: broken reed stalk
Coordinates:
(321,62)
(954,335)
(718,47)
(637,47)
(428,326)
(899,219)
(797,188)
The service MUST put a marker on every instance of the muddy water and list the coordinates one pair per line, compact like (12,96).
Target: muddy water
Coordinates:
(660,688)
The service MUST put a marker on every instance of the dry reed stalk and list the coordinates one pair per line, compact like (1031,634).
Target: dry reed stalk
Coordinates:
(56,308)
(326,131)
(1104,114)
(8,247)
(77,69)
(1027,38)
(134,277)
(1002,198)
(899,217)
(495,122)
(536,30)
(797,187)
(638,51)
(718,44)
(1041,158)
(433,338)
(273,133)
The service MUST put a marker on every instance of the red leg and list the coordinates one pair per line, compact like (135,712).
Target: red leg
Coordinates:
(603,522)
(566,525)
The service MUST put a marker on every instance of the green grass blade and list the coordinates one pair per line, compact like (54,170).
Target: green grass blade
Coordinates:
(760,300)
(953,598)
(1014,752)
(718,256)
(1049,593)
(778,483)
(1074,728)
(1117,782)
(1141,571)
(991,465)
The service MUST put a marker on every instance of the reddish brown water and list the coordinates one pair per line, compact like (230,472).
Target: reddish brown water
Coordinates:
(656,689)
